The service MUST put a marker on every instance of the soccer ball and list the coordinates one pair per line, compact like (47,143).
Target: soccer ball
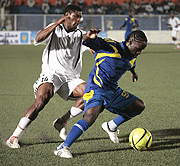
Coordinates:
(140,139)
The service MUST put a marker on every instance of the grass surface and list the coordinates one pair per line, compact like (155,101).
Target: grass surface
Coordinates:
(158,85)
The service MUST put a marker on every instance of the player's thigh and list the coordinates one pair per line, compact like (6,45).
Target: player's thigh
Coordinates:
(79,90)
(72,89)
(120,101)
(48,81)
(45,91)
(174,34)
(91,114)
(135,108)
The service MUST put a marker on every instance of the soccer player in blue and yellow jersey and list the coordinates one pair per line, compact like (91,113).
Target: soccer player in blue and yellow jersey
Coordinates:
(131,24)
(112,60)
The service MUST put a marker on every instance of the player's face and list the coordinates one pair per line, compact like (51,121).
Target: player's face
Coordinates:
(136,48)
(74,20)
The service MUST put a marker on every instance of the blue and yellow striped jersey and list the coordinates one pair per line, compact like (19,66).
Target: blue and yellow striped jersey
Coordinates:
(112,60)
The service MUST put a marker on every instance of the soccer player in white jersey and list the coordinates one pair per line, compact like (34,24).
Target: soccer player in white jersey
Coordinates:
(61,67)
(174,24)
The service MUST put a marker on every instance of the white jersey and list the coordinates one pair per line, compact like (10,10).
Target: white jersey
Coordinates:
(63,54)
(174,22)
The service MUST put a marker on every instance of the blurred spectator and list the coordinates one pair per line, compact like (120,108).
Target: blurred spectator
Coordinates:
(58,8)
(31,3)
(125,7)
(159,8)
(111,8)
(149,8)
(81,3)
(177,8)
(109,24)
(142,7)
(136,8)
(65,2)
(58,3)
(95,4)
(171,5)
(166,7)
(91,10)
(3,27)
(131,5)
(102,9)
(45,7)
(71,2)
(6,5)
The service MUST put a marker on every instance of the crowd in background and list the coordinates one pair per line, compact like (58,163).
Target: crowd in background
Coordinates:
(140,7)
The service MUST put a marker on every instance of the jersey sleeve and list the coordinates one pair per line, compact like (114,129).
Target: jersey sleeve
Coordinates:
(97,44)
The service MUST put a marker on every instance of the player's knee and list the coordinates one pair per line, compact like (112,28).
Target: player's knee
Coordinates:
(141,105)
(136,108)
(90,116)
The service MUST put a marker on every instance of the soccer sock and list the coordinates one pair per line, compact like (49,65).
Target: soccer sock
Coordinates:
(21,127)
(175,42)
(69,115)
(113,124)
(75,111)
(75,132)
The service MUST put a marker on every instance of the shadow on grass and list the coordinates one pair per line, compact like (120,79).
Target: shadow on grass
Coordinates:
(162,140)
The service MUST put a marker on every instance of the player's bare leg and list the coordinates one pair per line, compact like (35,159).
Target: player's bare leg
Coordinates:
(111,127)
(45,92)
(78,107)
(176,42)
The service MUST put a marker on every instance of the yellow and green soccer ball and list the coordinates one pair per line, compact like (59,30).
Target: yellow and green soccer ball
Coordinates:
(140,139)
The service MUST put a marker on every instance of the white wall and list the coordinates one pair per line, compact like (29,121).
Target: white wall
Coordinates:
(154,37)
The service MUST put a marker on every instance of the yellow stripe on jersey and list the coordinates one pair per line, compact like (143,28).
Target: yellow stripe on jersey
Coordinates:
(97,71)
(132,62)
(100,55)
(134,23)
(88,96)
(115,54)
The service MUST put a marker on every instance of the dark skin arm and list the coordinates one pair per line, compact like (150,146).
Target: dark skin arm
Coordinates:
(91,34)
(134,75)
(43,34)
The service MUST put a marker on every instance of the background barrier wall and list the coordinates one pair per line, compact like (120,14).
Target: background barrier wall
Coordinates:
(15,37)
(154,26)
(154,37)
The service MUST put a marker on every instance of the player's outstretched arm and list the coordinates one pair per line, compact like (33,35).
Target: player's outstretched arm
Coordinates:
(134,75)
(92,34)
(43,34)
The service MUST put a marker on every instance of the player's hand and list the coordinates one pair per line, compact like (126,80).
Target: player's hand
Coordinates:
(134,77)
(66,16)
(93,33)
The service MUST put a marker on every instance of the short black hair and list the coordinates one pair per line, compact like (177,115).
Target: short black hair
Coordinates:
(72,8)
(137,35)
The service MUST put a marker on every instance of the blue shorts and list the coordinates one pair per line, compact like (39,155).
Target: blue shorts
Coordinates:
(114,101)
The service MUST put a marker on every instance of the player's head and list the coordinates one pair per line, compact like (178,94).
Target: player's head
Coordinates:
(130,13)
(72,8)
(136,41)
(172,14)
(75,14)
